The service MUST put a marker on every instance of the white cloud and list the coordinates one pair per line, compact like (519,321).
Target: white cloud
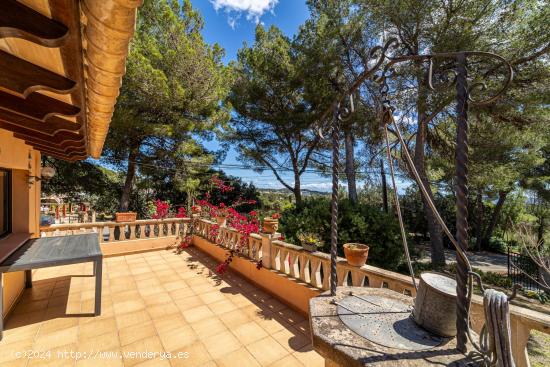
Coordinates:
(254,9)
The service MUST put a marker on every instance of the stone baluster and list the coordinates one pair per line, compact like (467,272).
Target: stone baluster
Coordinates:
(112,233)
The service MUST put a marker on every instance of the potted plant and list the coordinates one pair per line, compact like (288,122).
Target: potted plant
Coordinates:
(356,253)
(196,209)
(221,215)
(309,241)
(125,217)
(271,224)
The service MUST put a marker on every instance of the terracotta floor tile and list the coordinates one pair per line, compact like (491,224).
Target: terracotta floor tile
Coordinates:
(222,307)
(103,362)
(159,311)
(136,332)
(160,362)
(128,306)
(222,344)
(132,318)
(197,355)
(288,361)
(169,322)
(175,284)
(239,300)
(134,353)
(208,327)
(97,327)
(240,357)
(267,351)
(59,356)
(104,342)
(309,357)
(290,316)
(31,306)
(234,318)
(149,291)
(169,278)
(158,299)
(188,302)
(249,332)
(157,302)
(16,363)
(197,314)
(182,293)
(126,295)
(291,340)
(9,351)
(48,341)
(177,338)
(25,333)
(274,305)
(56,324)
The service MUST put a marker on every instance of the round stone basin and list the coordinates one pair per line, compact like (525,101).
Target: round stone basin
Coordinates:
(372,327)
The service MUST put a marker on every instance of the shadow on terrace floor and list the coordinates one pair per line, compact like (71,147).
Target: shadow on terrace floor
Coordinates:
(158,302)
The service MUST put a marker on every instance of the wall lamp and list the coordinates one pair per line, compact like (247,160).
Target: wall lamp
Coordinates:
(46,173)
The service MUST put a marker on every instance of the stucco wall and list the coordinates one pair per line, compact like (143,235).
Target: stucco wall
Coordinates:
(22,160)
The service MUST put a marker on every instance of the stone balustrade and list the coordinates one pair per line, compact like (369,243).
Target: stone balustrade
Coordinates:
(312,271)
(126,237)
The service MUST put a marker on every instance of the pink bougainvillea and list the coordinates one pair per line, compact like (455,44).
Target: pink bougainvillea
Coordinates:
(220,185)
(185,243)
(162,209)
(181,212)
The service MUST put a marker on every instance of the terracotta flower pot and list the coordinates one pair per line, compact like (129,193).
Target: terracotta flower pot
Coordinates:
(196,209)
(310,247)
(270,225)
(356,253)
(125,217)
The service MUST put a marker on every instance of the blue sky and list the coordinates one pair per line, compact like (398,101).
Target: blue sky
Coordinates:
(230,23)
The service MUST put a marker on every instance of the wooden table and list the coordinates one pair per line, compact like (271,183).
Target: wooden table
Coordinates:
(54,251)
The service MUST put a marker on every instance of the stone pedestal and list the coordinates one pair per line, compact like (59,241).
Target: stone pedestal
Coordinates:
(340,346)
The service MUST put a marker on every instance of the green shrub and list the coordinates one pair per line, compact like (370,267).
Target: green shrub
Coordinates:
(361,223)
(497,244)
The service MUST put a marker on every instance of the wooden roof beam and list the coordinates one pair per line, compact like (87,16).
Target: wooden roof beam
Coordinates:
(21,77)
(18,20)
(37,106)
(51,127)
(60,139)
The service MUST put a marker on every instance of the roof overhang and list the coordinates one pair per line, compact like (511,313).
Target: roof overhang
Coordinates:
(61,67)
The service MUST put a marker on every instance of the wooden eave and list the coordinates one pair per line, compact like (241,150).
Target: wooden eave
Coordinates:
(49,71)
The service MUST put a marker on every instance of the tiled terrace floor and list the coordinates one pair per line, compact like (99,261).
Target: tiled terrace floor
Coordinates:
(154,302)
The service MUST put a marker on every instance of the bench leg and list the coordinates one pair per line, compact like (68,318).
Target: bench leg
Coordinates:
(1,305)
(28,278)
(98,264)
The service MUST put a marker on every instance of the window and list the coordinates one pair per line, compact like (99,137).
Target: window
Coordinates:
(5,202)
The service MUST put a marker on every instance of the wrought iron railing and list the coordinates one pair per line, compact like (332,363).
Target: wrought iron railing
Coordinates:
(524,271)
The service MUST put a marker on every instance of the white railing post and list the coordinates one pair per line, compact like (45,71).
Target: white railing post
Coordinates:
(266,250)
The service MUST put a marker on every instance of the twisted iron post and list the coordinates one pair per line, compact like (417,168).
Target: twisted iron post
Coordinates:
(462,309)
(334,200)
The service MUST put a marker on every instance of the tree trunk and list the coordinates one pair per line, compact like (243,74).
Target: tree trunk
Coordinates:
(495,217)
(297,189)
(350,166)
(384,187)
(436,240)
(480,219)
(130,174)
